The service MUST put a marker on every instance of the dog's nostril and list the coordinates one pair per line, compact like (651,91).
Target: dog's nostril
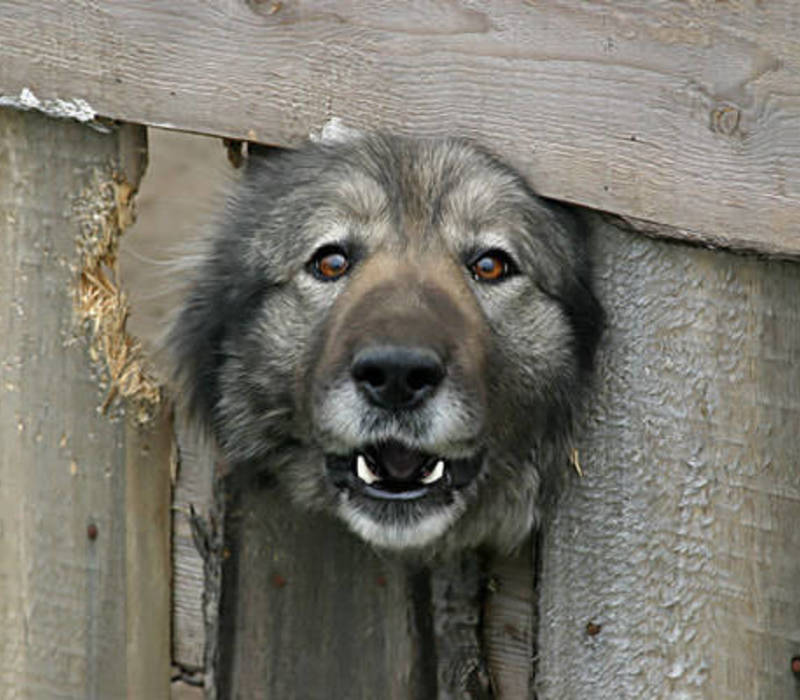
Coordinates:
(370,374)
(422,377)
(397,377)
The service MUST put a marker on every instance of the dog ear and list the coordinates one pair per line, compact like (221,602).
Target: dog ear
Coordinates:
(222,299)
(193,344)
(582,307)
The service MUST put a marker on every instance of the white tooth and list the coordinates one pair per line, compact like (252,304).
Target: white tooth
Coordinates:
(436,473)
(363,471)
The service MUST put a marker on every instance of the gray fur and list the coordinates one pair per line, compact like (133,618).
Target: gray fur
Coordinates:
(261,347)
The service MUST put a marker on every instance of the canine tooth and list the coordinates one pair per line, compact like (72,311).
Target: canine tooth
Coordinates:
(436,473)
(363,471)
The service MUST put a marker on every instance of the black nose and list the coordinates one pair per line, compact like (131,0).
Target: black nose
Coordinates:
(397,377)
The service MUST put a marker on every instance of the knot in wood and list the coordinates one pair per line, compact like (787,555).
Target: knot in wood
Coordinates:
(725,119)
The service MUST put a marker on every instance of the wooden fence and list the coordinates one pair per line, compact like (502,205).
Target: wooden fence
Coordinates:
(671,569)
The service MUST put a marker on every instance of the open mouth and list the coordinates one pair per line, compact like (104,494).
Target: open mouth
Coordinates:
(391,471)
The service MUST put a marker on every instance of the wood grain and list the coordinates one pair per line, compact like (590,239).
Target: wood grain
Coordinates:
(457,594)
(308,611)
(147,560)
(682,114)
(193,491)
(84,497)
(672,568)
(509,624)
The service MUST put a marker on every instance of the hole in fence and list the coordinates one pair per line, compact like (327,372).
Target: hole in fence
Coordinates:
(181,190)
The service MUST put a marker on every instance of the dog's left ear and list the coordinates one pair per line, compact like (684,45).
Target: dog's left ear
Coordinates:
(585,313)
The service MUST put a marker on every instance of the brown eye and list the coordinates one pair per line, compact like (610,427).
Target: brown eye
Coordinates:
(491,266)
(330,263)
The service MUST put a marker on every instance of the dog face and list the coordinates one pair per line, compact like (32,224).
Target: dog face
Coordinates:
(399,331)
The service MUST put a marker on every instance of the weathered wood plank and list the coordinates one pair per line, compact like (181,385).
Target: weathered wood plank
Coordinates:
(192,493)
(672,569)
(148,562)
(685,114)
(185,176)
(457,595)
(509,624)
(84,497)
(309,611)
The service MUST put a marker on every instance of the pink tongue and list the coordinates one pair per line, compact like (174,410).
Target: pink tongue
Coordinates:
(398,462)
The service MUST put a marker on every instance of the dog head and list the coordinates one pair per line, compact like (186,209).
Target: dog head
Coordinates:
(399,331)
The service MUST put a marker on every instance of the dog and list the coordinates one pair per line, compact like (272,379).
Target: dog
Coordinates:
(400,331)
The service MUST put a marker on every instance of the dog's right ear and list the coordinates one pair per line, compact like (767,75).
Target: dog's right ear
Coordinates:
(222,299)
(192,346)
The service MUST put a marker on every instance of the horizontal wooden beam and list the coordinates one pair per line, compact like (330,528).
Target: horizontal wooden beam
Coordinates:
(683,114)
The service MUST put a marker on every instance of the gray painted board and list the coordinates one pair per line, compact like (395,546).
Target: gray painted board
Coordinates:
(84,497)
(673,568)
(684,114)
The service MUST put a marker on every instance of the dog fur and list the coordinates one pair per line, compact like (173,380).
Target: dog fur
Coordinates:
(263,347)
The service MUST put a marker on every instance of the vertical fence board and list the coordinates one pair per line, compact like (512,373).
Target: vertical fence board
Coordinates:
(148,579)
(457,596)
(84,548)
(309,611)
(509,623)
(193,491)
(673,569)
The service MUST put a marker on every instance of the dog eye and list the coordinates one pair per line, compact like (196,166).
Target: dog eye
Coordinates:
(329,263)
(492,266)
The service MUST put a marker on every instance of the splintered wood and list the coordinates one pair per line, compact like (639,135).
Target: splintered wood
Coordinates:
(105,210)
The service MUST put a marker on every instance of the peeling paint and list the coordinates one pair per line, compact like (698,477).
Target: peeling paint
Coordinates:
(77,108)
(335,131)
